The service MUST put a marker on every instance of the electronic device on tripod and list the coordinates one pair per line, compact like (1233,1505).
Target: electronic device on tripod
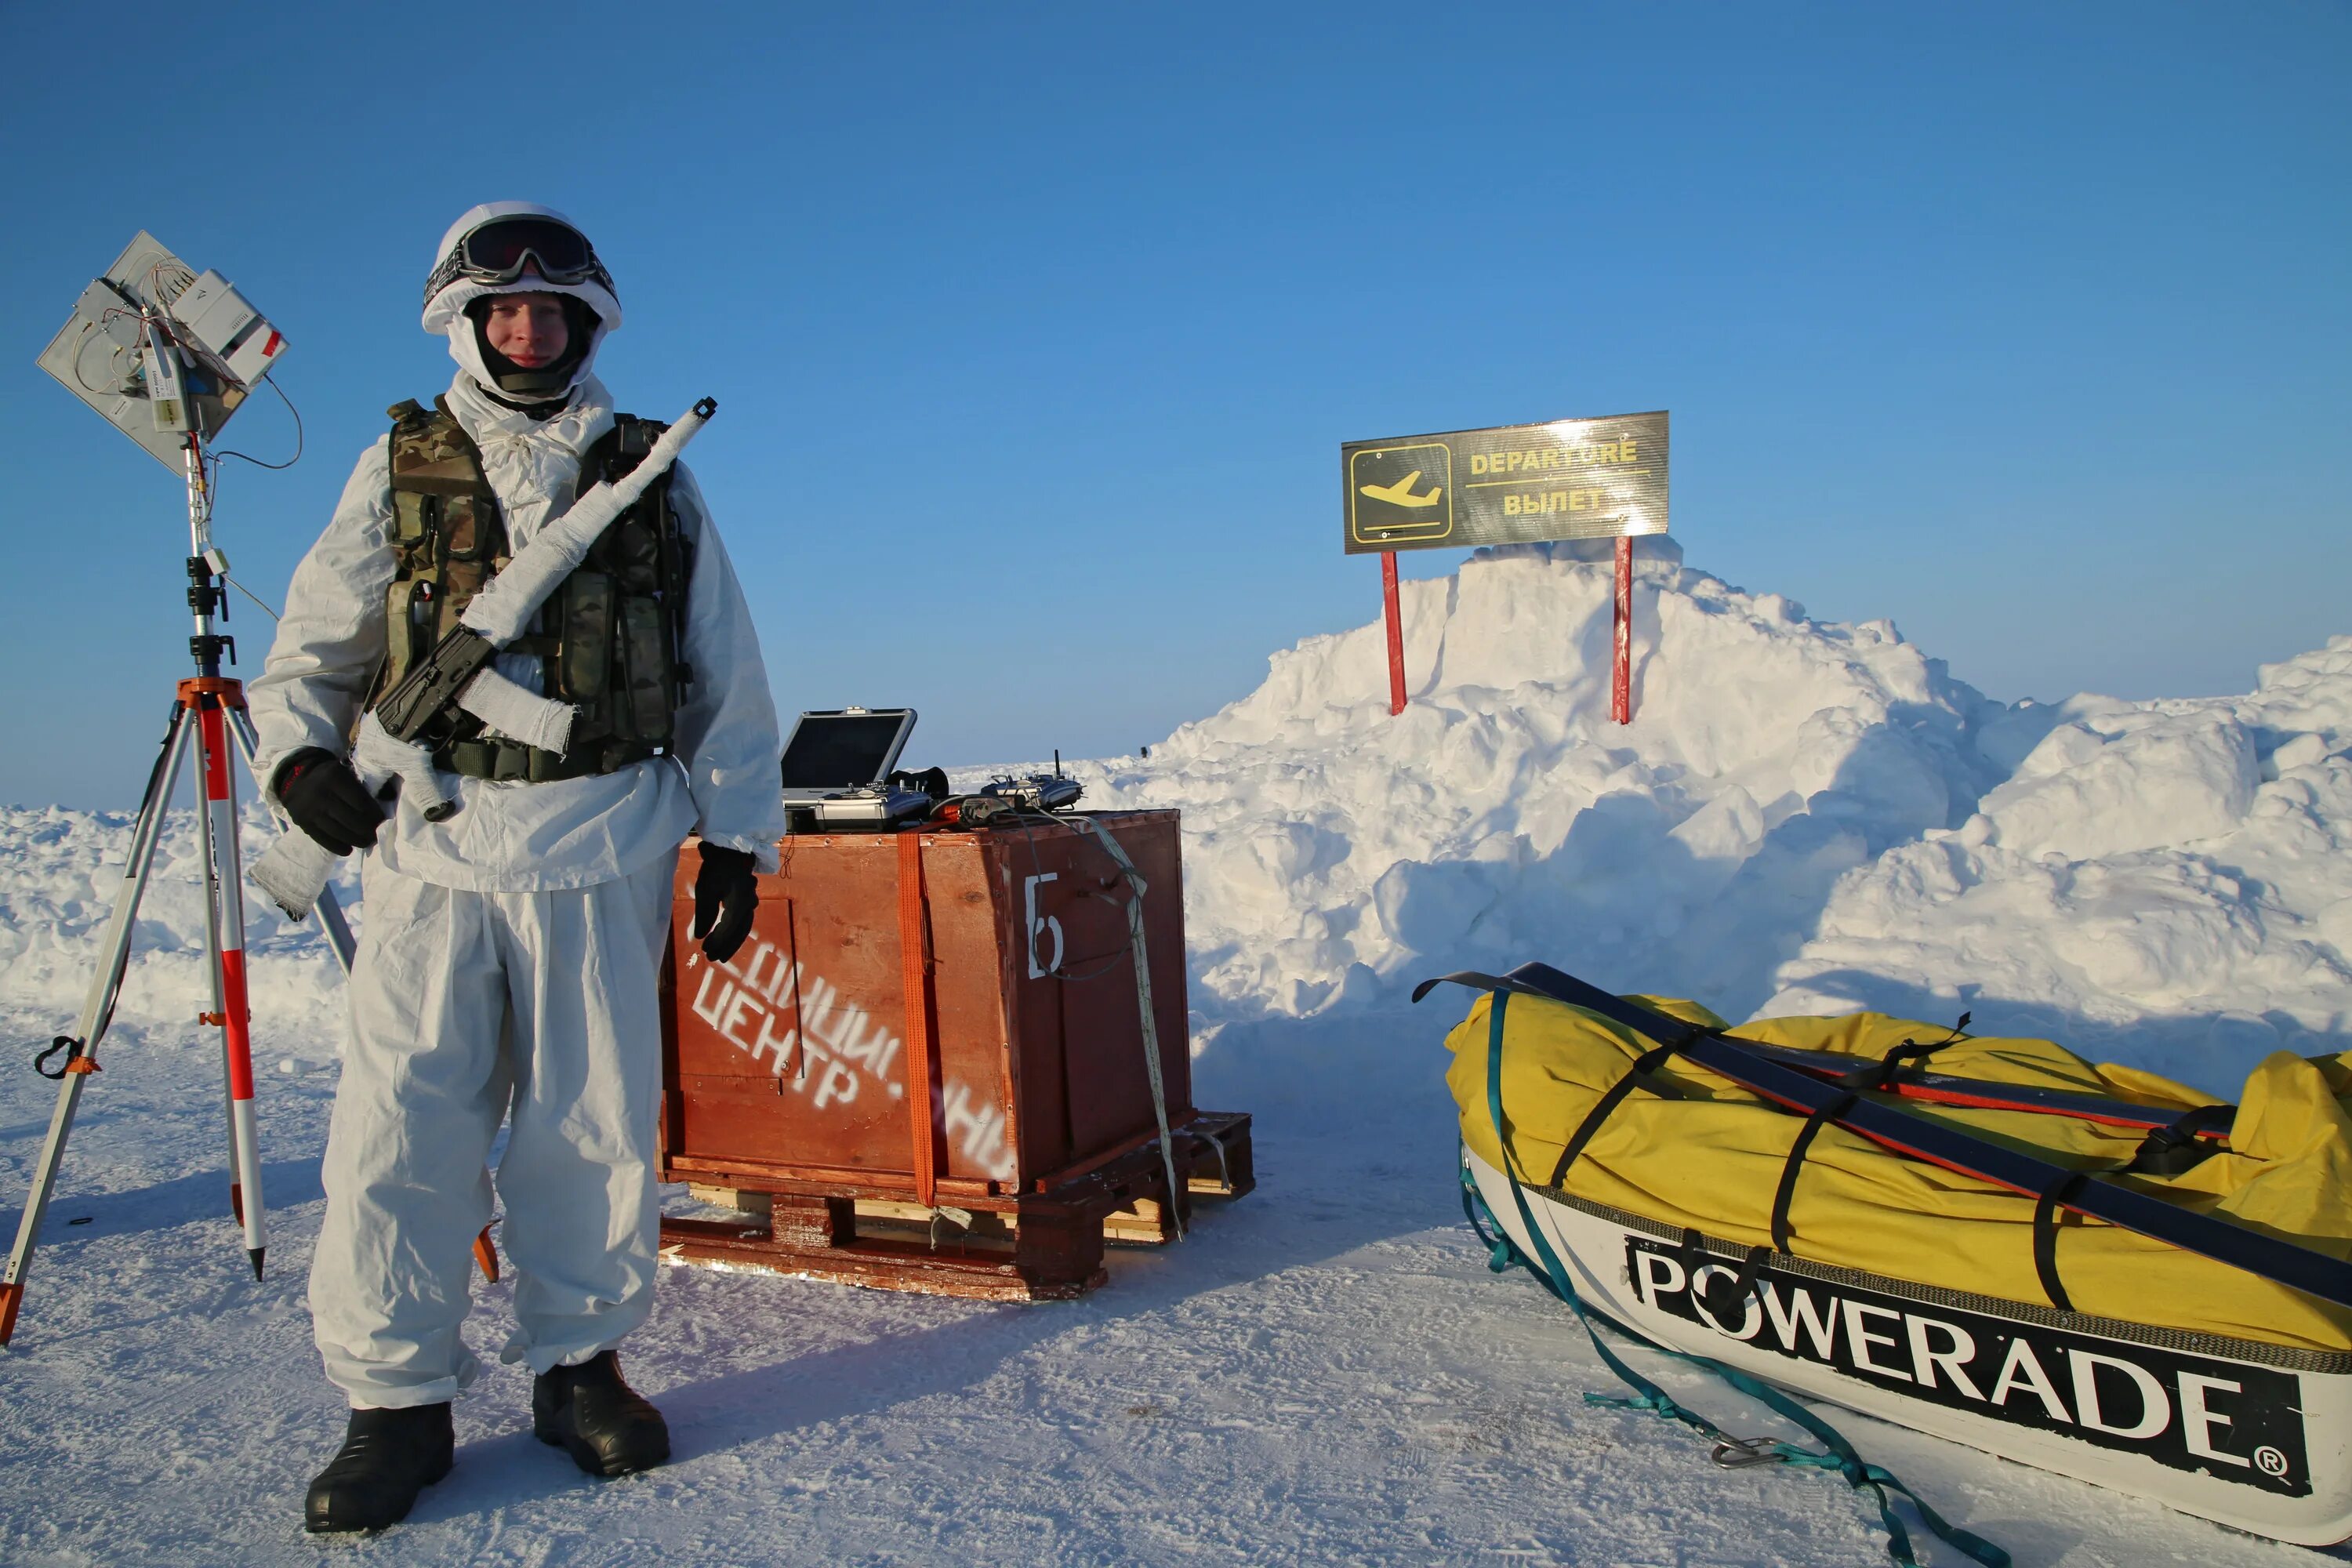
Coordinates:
(165,354)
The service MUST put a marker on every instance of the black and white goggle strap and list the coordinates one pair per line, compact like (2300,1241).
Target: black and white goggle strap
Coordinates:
(453,268)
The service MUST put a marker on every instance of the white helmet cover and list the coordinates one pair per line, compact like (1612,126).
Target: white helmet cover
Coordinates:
(445,310)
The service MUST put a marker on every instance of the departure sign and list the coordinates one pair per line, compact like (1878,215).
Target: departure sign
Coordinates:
(1571,479)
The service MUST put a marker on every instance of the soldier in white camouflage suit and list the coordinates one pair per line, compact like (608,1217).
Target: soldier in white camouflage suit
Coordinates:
(509,953)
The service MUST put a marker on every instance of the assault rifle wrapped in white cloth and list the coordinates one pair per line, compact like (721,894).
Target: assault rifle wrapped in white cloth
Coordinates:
(457,673)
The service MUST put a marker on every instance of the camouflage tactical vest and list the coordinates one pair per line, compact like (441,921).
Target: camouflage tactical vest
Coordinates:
(611,636)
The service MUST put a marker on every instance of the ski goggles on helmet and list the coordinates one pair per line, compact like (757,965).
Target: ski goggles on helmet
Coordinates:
(500,250)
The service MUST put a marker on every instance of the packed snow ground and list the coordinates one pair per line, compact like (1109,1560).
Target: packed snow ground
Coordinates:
(1802,816)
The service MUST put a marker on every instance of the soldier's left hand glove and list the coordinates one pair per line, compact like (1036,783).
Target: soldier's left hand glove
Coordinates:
(726,895)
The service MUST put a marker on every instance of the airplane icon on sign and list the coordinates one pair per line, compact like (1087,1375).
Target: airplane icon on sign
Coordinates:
(1401,493)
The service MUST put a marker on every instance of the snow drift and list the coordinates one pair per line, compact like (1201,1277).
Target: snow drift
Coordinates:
(60,874)
(1334,854)
(2167,880)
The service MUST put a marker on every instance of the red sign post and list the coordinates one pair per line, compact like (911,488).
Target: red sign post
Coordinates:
(1396,632)
(1621,672)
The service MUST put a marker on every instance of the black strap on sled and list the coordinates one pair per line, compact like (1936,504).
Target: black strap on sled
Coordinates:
(1645,1064)
(2166,1151)
(2045,1236)
(1828,1111)
(1880,1075)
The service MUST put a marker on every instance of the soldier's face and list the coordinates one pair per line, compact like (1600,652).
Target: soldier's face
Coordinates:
(528,329)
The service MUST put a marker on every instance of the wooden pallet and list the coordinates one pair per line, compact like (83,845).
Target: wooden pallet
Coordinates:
(1023,1246)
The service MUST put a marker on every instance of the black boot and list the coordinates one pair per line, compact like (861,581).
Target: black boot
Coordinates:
(603,1422)
(387,1457)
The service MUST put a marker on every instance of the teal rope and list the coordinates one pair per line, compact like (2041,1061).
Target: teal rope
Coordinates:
(1838,1454)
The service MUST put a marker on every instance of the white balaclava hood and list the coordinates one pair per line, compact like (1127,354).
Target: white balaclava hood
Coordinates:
(445,309)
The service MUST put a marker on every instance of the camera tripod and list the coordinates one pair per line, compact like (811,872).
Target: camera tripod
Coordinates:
(207,712)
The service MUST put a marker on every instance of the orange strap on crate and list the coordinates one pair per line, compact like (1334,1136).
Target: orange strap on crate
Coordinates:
(918,1016)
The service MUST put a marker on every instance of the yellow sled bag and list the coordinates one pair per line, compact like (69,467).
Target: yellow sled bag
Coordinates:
(1690,1149)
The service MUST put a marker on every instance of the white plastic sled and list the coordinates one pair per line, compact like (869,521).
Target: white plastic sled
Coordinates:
(2255,1435)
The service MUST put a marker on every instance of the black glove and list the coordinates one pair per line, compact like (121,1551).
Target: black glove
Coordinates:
(726,895)
(327,801)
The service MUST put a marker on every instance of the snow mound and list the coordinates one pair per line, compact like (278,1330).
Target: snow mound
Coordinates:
(1804,817)
(1335,855)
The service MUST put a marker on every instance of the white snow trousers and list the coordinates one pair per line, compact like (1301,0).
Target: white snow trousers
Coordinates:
(467,1009)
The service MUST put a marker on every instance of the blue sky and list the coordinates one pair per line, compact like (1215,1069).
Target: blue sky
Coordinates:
(1037,328)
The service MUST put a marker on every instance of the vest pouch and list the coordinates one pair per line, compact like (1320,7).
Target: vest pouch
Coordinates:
(460,581)
(631,552)
(641,698)
(412,516)
(584,668)
(407,614)
(463,537)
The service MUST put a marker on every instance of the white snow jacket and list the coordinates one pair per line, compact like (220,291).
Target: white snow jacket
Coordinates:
(513,837)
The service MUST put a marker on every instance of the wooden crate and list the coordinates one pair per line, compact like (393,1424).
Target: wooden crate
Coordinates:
(929,1060)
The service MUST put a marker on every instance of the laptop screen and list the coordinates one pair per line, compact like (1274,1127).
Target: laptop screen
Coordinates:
(843,751)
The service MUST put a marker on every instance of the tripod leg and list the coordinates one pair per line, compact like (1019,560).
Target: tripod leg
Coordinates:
(339,932)
(226,908)
(329,908)
(98,1011)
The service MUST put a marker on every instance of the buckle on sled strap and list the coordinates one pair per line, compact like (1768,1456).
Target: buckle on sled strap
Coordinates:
(1727,1288)
(1738,1453)
(2181,1145)
(2167,1150)
(1882,1073)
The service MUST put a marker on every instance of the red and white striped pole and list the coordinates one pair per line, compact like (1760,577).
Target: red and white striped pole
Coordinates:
(209,697)
(224,871)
